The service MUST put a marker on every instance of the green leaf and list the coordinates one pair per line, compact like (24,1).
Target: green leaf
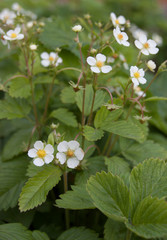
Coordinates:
(148,178)
(110,195)
(35,191)
(124,128)
(99,99)
(137,153)
(76,199)
(114,230)
(12,177)
(67,95)
(93,165)
(64,116)
(20,88)
(37,235)
(92,134)
(11,108)
(17,143)
(150,218)
(150,99)
(14,231)
(55,35)
(104,116)
(80,233)
(118,166)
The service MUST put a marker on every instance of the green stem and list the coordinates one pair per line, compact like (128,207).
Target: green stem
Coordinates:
(93,100)
(48,97)
(67,213)
(107,143)
(112,145)
(68,68)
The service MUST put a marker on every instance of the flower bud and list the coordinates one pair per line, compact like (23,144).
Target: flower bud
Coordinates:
(77,28)
(151,65)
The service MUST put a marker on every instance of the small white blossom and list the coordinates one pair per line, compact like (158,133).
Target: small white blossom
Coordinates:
(41,154)
(30,24)
(98,64)
(4,41)
(15,34)
(7,16)
(137,75)
(70,152)
(50,59)
(146,46)
(33,47)
(158,39)
(110,60)
(16,7)
(151,65)
(137,32)
(117,21)
(122,58)
(121,37)
(77,28)
(139,92)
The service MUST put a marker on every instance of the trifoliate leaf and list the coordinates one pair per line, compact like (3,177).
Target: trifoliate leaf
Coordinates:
(109,195)
(35,191)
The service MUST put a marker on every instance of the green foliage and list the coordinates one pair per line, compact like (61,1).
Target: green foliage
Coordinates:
(92,134)
(114,230)
(11,108)
(78,198)
(150,99)
(36,189)
(12,175)
(136,152)
(37,235)
(20,88)
(79,233)
(67,95)
(14,231)
(150,218)
(99,99)
(64,116)
(115,203)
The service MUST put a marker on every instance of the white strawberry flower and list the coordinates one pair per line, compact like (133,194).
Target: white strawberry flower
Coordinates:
(15,34)
(7,16)
(146,46)
(158,39)
(33,47)
(151,65)
(50,59)
(98,64)
(4,41)
(16,7)
(70,153)
(117,21)
(41,154)
(77,28)
(137,75)
(121,37)
(139,92)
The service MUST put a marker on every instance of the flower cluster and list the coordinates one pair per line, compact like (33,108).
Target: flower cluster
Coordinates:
(68,152)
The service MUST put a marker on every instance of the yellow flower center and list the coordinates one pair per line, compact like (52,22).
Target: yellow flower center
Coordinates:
(136,74)
(51,59)
(13,35)
(41,153)
(70,153)
(117,21)
(99,64)
(120,36)
(146,45)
